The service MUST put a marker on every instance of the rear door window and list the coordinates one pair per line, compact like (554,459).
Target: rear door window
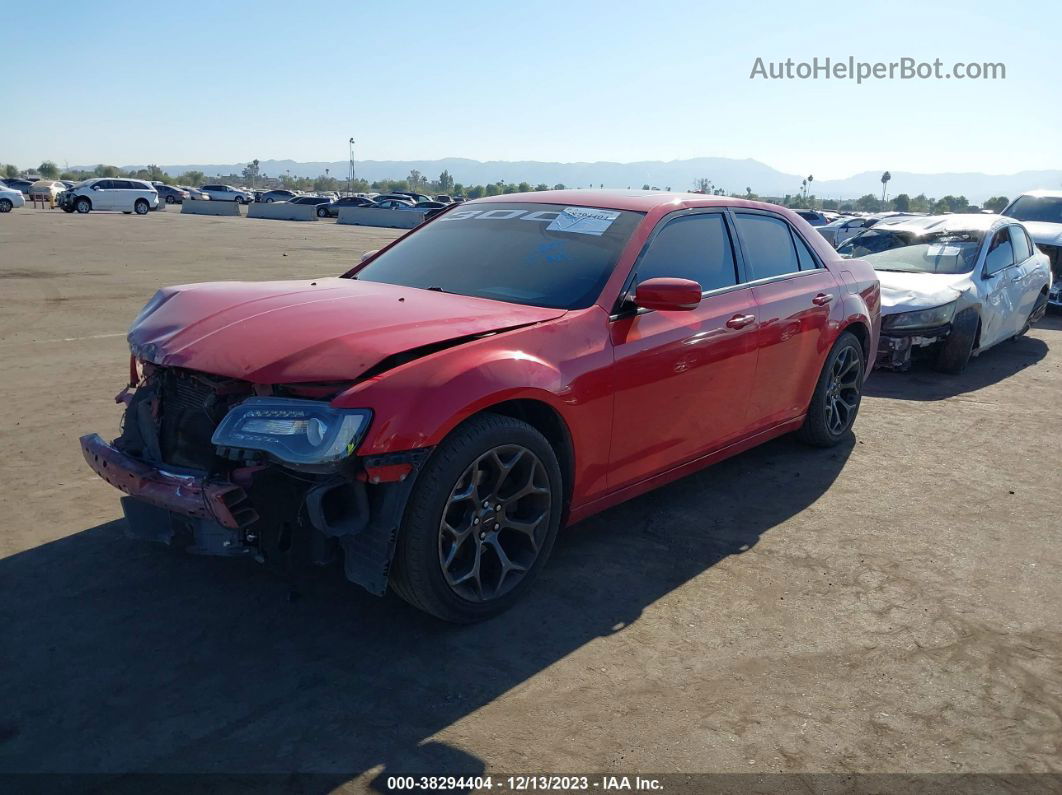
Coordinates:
(769,247)
(1020,241)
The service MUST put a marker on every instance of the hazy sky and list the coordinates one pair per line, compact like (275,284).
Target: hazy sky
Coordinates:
(123,82)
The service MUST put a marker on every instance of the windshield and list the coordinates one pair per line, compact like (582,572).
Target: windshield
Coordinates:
(950,251)
(1036,208)
(525,253)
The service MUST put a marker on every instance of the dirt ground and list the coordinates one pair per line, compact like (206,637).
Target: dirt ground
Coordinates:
(894,604)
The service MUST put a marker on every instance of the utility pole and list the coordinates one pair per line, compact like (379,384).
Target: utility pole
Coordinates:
(350,177)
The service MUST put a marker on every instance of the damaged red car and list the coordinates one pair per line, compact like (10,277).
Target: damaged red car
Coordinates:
(432,418)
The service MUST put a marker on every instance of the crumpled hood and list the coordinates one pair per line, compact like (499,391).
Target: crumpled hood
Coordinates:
(906,292)
(1044,232)
(328,329)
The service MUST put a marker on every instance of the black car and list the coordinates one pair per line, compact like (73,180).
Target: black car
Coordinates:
(19,184)
(170,194)
(431,205)
(276,195)
(332,210)
(412,195)
(321,201)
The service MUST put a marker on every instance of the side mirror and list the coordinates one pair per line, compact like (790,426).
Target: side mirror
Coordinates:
(668,295)
(368,254)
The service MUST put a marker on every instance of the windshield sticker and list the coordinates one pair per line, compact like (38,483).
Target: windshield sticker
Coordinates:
(583,221)
(938,250)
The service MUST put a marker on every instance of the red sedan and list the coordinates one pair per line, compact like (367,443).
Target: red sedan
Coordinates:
(435,415)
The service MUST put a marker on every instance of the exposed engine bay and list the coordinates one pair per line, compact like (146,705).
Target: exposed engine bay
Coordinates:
(185,490)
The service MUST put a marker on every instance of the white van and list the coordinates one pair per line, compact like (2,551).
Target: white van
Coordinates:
(111,193)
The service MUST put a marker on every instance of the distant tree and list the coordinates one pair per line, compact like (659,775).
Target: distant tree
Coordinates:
(868,203)
(474,192)
(105,171)
(48,170)
(459,189)
(996,204)
(11,171)
(542,186)
(252,171)
(702,185)
(884,184)
(415,179)
(446,182)
(920,204)
(523,187)
(902,203)
(645,186)
(748,192)
(559,186)
(193,178)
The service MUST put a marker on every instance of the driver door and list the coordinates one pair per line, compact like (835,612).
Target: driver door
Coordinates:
(682,378)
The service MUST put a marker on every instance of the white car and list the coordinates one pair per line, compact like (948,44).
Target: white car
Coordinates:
(106,193)
(227,193)
(1041,213)
(10,198)
(50,188)
(952,285)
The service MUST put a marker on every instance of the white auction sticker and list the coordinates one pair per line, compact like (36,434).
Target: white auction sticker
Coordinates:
(583,221)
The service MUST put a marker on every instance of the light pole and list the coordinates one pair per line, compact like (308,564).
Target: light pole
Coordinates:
(350,177)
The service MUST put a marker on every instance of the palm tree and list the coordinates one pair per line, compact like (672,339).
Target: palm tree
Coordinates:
(884,181)
(811,179)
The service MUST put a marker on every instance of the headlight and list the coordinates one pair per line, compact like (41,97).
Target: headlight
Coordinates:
(298,432)
(923,318)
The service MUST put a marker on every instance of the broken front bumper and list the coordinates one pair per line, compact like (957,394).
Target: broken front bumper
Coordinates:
(186,494)
(895,348)
(360,516)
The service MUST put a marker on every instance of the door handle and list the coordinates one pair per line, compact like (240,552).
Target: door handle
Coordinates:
(822,299)
(740,321)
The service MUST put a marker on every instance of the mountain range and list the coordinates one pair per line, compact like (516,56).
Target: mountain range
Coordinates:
(733,175)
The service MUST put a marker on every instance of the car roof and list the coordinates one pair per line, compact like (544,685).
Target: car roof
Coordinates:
(1043,194)
(634,200)
(964,222)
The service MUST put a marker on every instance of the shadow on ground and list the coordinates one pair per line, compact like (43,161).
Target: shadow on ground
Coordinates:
(996,364)
(124,657)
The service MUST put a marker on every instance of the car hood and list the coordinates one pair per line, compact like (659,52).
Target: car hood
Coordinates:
(328,329)
(905,292)
(1044,232)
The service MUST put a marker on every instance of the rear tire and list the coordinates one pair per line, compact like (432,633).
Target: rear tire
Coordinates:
(83,205)
(458,504)
(838,393)
(141,207)
(322,212)
(1037,314)
(958,347)
(170,200)
(6,205)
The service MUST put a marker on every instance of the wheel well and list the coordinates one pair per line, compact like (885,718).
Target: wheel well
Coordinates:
(545,419)
(861,333)
(86,198)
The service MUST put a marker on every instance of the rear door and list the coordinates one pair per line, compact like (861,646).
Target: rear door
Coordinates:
(682,379)
(996,289)
(1021,284)
(794,295)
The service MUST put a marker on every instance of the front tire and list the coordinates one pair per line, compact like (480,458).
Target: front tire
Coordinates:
(141,207)
(838,393)
(170,200)
(83,205)
(322,212)
(481,520)
(6,205)
(958,346)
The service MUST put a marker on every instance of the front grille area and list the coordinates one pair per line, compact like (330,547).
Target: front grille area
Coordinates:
(190,407)
(1054,253)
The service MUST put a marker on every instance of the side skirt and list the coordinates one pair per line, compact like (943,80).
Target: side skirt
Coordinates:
(682,470)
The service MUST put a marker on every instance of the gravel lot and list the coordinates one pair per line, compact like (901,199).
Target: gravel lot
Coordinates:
(891,605)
